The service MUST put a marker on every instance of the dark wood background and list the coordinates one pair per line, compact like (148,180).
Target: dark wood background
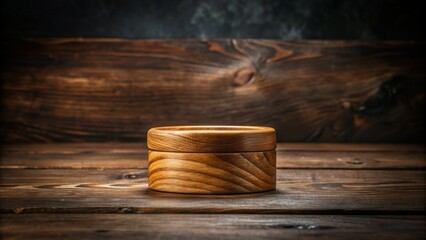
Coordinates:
(97,90)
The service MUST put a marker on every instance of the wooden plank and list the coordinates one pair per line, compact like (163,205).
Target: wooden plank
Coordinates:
(133,155)
(350,147)
(74,155)
(83,90)
(210,226)
(141,147)
(350,160)
(298,191)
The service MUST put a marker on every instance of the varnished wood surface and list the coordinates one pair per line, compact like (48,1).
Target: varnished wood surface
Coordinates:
(212,173)
(208,139)
(289,155)
(84,90)
(211,226)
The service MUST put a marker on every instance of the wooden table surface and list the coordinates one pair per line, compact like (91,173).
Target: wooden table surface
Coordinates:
(96,190)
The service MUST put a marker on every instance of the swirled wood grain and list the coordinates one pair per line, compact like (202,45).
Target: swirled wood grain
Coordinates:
(212,173)
(212,138)
(98,90)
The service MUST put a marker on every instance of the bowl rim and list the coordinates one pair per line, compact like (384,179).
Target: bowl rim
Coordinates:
(214,128)
(211,138)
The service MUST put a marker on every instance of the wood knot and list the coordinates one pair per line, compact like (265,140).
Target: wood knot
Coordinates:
(127,210)
(18,210)
(386,97)
(134,175)
(300,227)
(244,76)
(355,161)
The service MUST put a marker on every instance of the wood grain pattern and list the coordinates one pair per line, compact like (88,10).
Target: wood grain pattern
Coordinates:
(207,139)
(350,147)
(297,191)
(212,173)
(95,203)
(211,226)
(212,159)
(134,156)
(84,90)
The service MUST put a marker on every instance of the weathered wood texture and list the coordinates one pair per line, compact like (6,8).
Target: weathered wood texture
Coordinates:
(126,191)
(82,90)
(210,226)
(92,188)
(289,156)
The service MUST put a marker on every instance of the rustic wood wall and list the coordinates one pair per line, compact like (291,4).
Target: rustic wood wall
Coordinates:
(90,90)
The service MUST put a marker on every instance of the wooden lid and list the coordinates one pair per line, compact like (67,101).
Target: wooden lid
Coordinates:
(212,139)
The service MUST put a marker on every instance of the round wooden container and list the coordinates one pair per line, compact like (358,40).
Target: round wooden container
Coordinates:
(212,159)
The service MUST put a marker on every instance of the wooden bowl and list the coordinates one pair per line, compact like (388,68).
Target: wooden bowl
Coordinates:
(212,159)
